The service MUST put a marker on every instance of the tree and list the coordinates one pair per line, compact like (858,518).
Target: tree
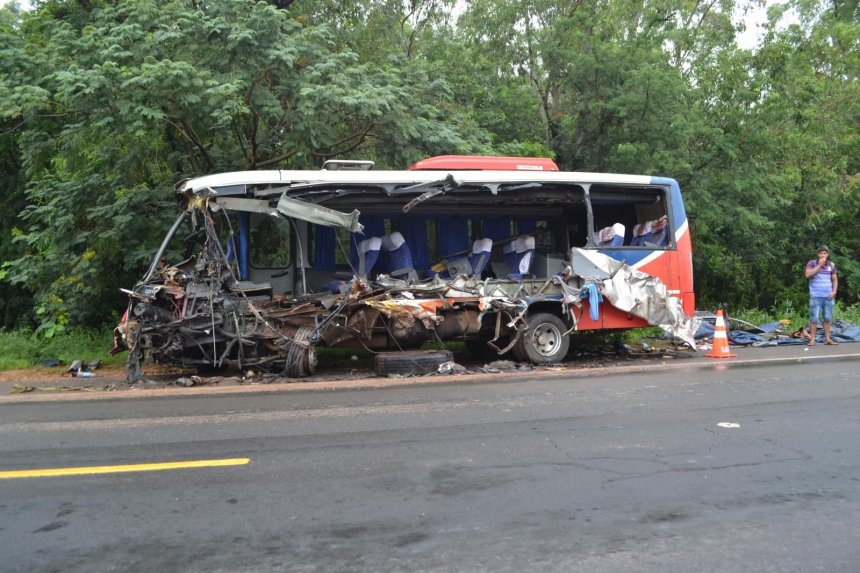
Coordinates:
(128,97)
(104,105)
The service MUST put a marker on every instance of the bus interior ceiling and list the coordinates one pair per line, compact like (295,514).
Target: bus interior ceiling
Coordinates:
(241,285)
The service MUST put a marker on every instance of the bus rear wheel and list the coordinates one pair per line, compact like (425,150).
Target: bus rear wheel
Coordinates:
(544,341)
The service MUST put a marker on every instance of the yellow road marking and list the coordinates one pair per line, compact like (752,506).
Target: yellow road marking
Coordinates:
(55,472)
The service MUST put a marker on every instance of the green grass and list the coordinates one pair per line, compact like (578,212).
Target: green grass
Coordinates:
(637,336)
(335,354)
(20,349)
(797,317)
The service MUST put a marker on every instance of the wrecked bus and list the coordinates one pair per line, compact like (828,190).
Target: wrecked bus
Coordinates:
(509,255)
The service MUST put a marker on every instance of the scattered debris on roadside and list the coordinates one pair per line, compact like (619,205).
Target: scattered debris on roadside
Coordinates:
(499,366)
(188,381)
(22,389)
(81,369)
(451,367)
(742,333)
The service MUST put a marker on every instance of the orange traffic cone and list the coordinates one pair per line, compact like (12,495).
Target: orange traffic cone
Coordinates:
(720,348)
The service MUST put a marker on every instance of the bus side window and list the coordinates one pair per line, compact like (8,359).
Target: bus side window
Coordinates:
(270,243)
(612,224)
(559,234)
(638,213)
(577,226)
(651,229)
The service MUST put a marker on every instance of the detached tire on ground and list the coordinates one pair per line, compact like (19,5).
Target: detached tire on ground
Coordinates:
(544,341)
(410,362)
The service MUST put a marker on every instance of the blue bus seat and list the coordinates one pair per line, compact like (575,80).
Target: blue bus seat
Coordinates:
(651,233)
(398,256)
(368,255)
(480,257)
(523,257)
(612,236)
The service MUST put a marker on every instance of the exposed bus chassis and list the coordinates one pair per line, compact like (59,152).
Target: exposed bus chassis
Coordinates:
(207,318)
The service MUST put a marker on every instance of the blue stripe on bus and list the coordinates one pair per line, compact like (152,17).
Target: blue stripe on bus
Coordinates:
(629,256)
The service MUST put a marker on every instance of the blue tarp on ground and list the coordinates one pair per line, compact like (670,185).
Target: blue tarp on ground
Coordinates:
(840,331)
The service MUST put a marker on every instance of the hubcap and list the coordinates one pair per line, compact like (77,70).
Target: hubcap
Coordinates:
(546,339)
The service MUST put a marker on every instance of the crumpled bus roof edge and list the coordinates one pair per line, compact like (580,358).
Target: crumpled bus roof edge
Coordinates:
(285,177)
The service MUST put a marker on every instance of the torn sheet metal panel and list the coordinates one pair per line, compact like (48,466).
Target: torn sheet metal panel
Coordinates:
(640,294)
(406,311)
(319,214)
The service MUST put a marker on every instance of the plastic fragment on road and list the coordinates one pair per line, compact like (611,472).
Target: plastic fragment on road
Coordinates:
(729,425)
(451,367)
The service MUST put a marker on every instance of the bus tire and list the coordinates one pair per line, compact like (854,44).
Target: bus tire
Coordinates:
(301,360)
(410,362)
(545,340)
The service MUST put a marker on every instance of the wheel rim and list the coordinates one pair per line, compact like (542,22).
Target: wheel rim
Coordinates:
(546,339)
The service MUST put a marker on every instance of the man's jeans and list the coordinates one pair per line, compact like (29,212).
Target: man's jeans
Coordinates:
(817,304)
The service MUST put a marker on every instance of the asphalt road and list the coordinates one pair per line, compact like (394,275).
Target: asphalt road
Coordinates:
(676,470)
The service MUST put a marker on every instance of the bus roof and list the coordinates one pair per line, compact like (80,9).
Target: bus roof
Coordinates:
(399,178)
(484,163)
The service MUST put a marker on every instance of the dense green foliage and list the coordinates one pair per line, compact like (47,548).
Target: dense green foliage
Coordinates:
(105,105)
(20,349)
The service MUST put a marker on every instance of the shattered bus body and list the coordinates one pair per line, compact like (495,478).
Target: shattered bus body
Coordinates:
(262,267)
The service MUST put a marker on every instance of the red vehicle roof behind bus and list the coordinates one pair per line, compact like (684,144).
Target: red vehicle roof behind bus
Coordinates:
(484,163)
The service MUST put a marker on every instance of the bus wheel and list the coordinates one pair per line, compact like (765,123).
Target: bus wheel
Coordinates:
(545,341)
(301,361)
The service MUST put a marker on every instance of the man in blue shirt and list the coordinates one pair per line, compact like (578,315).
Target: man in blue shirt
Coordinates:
(821,274)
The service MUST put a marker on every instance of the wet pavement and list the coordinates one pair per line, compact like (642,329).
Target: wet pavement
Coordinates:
(740,465)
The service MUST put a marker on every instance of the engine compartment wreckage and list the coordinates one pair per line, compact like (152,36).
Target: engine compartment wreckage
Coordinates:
(261,268)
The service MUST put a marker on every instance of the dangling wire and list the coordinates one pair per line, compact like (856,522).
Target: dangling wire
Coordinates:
(347,256)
